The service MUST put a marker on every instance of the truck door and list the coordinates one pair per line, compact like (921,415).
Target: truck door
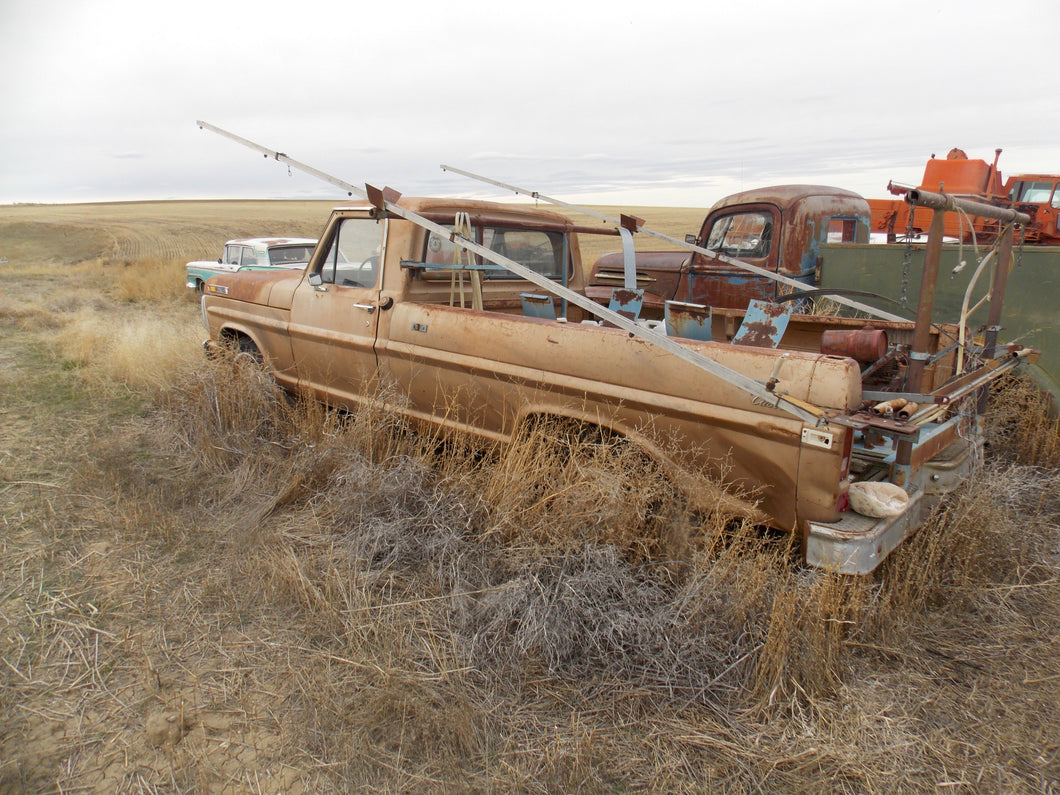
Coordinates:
(335,312)
(751,234)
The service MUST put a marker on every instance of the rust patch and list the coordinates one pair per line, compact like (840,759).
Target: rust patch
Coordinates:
(773,310)
(758,334)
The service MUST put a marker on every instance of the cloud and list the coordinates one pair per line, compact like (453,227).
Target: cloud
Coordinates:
(575,98)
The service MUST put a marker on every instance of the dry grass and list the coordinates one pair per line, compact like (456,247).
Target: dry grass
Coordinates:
(447,609)
(1025,425)
(140,350)
(206,587)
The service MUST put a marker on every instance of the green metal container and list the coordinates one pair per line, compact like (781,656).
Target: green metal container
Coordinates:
(1031,313)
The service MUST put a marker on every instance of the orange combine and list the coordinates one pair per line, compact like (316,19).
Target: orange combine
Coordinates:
(1037,195)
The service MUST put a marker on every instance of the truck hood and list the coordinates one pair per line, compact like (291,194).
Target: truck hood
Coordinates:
(256,287)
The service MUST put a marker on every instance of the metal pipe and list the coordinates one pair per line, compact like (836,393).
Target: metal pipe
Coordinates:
(889,407)
(943,201)
(997,291)
(997,298)
(926,305)
(907,410)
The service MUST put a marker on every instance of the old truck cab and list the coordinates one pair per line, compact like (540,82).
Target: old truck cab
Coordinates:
(781,229)
(1038,195)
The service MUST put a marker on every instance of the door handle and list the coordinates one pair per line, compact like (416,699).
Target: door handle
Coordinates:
(369,308)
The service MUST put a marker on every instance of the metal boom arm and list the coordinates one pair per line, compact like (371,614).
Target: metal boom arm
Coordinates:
(681,243)
(386,200)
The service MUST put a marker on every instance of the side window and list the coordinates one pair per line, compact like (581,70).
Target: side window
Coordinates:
(1056,197)
(232,255)
(742,234)
(249,258)
(353,253)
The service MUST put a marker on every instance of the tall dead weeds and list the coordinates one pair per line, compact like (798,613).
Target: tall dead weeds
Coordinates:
(437,579)
(567,551)
(1024,426)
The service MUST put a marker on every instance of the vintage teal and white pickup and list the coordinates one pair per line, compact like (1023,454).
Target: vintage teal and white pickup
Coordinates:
(253,254)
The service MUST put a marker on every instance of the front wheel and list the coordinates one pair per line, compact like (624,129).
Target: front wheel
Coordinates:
(247,350)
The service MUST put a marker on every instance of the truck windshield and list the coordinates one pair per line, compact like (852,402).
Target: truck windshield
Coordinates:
(742,234)
(1037,192)
(540,250)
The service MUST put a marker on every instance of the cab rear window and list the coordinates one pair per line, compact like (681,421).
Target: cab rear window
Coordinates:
(539,250)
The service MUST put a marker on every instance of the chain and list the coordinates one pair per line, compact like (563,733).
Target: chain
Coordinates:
(906,261)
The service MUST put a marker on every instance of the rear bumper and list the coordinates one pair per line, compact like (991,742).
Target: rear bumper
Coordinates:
(857,544)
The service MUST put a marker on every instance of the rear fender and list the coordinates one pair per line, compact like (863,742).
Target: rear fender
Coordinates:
(704,494)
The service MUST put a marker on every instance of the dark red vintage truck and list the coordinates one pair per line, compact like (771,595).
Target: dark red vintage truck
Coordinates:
(781,229)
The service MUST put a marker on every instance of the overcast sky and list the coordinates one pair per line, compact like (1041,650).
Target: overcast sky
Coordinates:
(618,102)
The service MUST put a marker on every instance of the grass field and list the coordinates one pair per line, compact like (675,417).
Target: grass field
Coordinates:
(205,587)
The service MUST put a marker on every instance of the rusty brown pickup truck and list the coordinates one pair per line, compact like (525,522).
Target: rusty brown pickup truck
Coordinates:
(476,314)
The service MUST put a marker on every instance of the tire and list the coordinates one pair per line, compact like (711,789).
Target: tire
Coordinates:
(247,351)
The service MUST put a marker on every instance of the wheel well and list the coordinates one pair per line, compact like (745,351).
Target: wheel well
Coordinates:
(599,429)
(587,428)
(239,340)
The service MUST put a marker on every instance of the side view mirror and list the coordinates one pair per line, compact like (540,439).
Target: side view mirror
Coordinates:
(692,240)
(218,260)
(315,279)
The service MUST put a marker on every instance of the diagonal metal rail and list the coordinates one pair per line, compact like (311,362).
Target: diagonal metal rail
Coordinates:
(879,313)
(386,200)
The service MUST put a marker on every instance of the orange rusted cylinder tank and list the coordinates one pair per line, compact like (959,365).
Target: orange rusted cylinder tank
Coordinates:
(862,345)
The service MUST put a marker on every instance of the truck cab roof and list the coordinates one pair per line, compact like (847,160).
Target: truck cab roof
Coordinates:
(436,207)
(784,195)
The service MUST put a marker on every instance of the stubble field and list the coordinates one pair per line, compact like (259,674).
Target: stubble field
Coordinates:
(205,587)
